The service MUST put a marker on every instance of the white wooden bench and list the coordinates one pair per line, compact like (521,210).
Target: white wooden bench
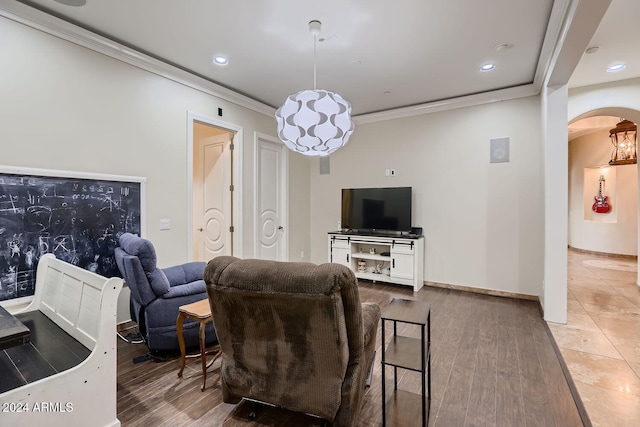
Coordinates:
(83,305)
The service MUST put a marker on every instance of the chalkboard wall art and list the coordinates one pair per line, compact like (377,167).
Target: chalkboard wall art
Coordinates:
(77,217)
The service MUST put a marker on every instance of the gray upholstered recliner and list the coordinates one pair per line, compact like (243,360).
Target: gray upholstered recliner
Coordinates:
(156,294)
(294,335)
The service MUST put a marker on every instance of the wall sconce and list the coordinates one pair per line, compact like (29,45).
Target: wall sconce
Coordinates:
(623,138)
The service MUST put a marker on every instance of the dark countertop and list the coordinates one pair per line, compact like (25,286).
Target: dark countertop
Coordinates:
(389,234)
(12,331)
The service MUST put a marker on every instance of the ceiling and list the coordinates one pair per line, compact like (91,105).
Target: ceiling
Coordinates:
(379,55)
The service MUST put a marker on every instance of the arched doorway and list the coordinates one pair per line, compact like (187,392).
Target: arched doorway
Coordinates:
(600,226)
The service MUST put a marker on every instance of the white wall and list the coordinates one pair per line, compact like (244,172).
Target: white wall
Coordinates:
(553,297)
(483,222)
(614,232)
(299,207)
(66,107)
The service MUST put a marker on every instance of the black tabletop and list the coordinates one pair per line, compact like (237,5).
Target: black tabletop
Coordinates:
(12,331)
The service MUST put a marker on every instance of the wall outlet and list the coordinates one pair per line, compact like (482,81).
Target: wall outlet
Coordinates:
(393,172)
(165,224)
(387,172)
(339,225)
(301,254)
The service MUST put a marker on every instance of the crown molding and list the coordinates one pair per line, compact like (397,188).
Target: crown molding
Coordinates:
(449,104)
(559,22)
(57,27)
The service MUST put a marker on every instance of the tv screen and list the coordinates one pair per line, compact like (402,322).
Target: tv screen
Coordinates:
(379,209)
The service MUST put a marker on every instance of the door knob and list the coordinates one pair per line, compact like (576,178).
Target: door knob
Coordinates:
(281,228)
(200,229)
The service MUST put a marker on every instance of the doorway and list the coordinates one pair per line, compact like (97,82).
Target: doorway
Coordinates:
(590,177)
(214,189)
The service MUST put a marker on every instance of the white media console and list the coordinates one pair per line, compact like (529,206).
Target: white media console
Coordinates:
(391,259)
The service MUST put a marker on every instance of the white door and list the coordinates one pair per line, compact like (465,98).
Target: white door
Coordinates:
(212,196)
(271,199)
(341,253)
(402,261)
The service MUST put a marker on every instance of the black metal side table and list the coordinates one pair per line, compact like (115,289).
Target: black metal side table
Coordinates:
(404,408)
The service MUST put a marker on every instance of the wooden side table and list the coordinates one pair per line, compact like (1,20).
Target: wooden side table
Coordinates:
(198,312)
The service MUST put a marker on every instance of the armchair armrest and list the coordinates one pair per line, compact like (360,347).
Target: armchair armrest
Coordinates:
(185,273)
(370,319)
(193,288)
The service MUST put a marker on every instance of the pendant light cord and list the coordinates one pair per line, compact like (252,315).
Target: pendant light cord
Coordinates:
(315,27)
(315,39)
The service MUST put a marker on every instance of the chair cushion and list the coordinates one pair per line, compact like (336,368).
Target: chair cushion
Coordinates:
(142,248)
(145,252)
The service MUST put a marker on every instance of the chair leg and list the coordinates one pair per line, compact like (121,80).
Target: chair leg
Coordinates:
(370,375)
(203,356)
(183,351)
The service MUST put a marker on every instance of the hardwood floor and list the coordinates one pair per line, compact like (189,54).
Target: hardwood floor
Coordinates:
(493,364)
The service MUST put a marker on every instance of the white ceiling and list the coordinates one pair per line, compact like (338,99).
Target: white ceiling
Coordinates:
(379,55)
(591,124)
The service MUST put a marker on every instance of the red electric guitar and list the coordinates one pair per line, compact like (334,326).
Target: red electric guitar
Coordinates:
(600,205)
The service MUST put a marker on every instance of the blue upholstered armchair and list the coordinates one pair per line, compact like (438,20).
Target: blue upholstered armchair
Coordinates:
(156,294)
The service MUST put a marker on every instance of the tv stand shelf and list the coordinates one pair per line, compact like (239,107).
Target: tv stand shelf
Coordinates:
(362,255)
(395,259)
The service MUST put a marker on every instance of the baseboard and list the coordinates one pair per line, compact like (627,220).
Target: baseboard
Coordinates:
(483,291)
(604,254)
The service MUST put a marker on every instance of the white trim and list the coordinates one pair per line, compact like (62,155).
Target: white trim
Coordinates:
(557,29)
(17,170)
(284,191)
(238,186)
(15,304)
(449,104)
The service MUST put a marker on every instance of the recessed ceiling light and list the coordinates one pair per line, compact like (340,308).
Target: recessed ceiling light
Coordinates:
(488,67)
(502,47)
(615,67)
(220,60)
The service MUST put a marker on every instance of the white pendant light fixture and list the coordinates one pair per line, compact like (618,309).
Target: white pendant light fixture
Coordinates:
(314,122)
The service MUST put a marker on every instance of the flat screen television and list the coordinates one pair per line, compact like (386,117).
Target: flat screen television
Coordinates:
(376,209)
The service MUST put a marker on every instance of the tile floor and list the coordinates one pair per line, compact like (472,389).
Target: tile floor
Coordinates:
(601,341)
